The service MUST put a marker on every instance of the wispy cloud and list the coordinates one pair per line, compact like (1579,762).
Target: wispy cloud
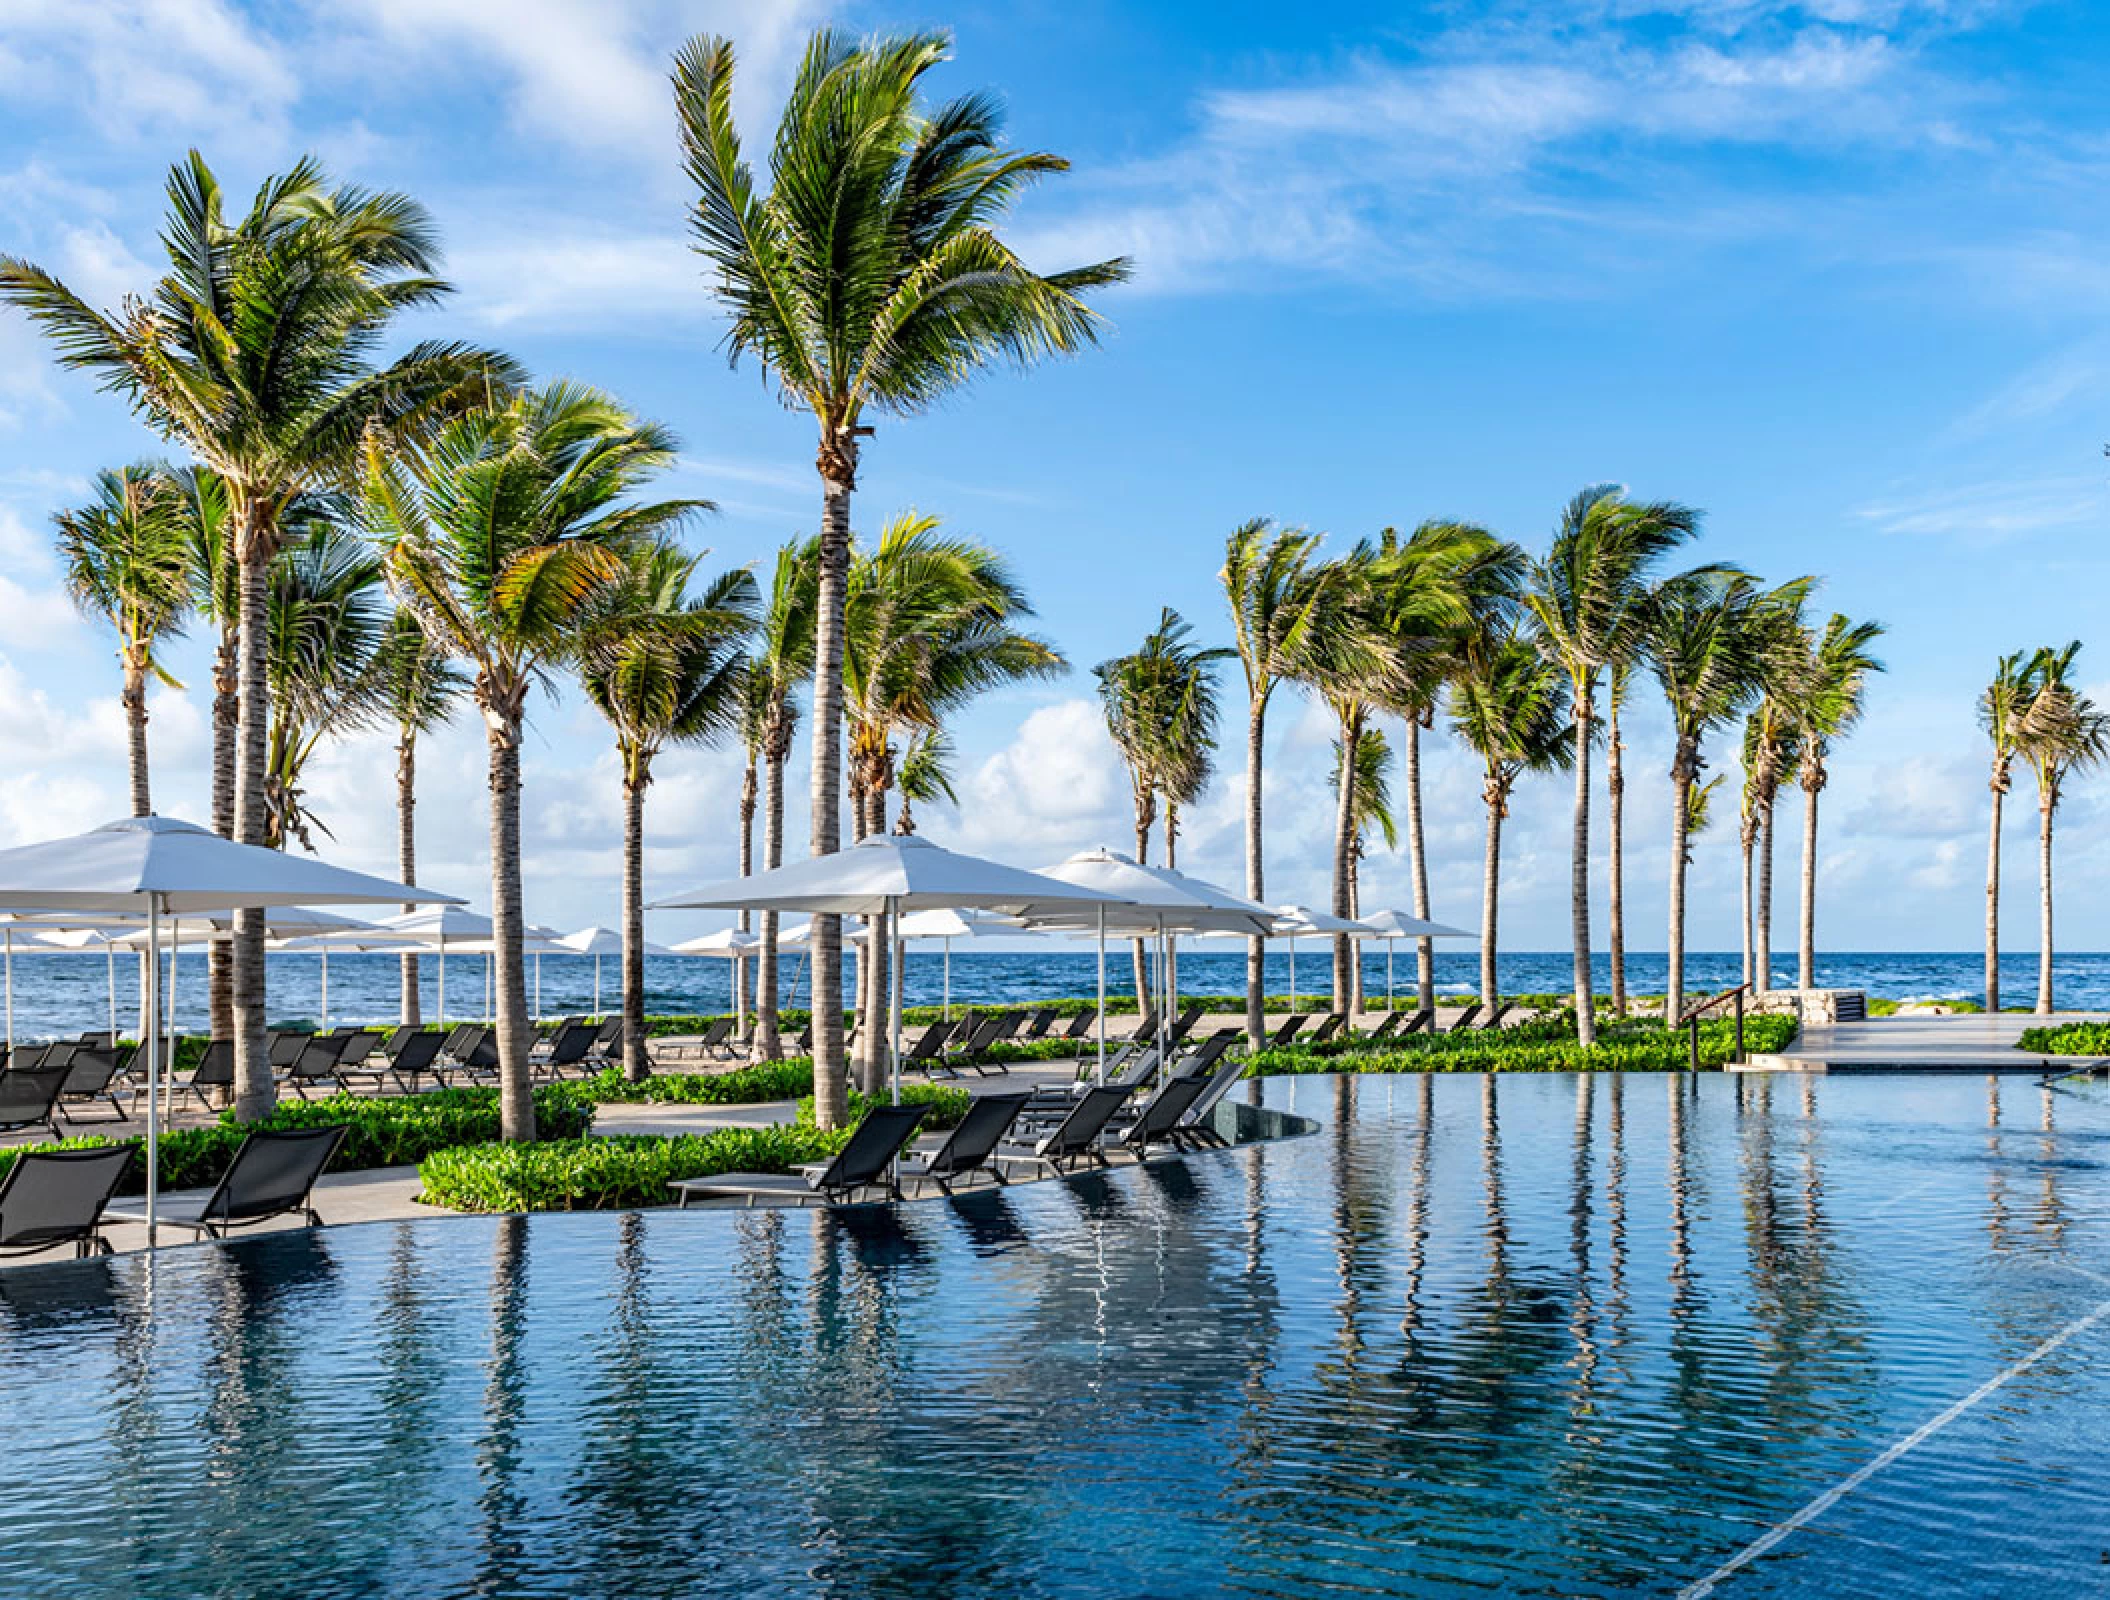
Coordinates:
(1996,511)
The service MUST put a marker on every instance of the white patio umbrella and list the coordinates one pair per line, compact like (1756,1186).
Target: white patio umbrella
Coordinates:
(1291,922)
(40,925)
(281,924)
(597,942)
(1393,925)
(888,875)
(434,927)
(164,867)
(727,944)
(962,923)
(82,939)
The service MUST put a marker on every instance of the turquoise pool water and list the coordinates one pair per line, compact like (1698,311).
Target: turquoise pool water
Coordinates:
(1528,1335)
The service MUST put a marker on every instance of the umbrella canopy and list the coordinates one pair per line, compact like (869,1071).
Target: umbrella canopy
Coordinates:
(178,867)
(1154,899)
(1399,925)
(593,941)
(280,922)
(964,923)
(1295,922)
(887,873)
(725,942)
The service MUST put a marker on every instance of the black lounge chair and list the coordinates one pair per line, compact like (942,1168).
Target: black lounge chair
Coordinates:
(1159,1120)
(1494,1018)
(968,1149)
(1289,1029)
(404,1061)
(1193,1132)
(864,1164)
(477,1055)
(1007,1025)
(1465,1018)
(1081,1025)
(55,1197)
(1203,1061)
(1043,1020)
(93,1073)
(1385,1029)
(316,1063)
(29,1096)
(272,1175)
(1074,1141)
(215,1070)
(1329,1025)
(1185,1025)
(929,1045)
(1423,1021)
(571,1048)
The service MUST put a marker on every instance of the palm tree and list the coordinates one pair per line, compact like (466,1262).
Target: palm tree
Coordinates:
(927,627)
(216,594)
(2062,732)
(664,666)
(1369,808)
(1706,634)
(1161,712)
(869,276)
(419,688)
(329,619)
(498,538)
(2000,712)
(1509,704)
(1831,675)
(780,658)
(127,561)
(1277,596)
(924,776)
(256,353)
(1582,598)
(1769,754)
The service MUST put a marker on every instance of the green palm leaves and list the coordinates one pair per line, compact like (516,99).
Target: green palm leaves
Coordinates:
(1160,702)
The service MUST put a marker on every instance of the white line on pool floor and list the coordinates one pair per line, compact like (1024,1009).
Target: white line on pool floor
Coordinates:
(1917,1437)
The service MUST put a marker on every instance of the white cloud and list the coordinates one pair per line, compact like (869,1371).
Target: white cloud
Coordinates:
(1995,511)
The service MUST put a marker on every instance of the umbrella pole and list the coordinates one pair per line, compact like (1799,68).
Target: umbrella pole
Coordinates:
(325,991)
(1390,1004)
(175,945)
(948,977)
(110,980)
(597,983)
(443,983)
(1293,974)
(894,1001)
(1102,992)
(153,1011)
(10,989)
(538,985)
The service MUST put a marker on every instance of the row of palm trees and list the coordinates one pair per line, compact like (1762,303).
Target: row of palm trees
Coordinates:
(1515,648)
(2034,712)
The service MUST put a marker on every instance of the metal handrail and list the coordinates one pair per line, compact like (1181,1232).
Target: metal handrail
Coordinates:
(1691,1021)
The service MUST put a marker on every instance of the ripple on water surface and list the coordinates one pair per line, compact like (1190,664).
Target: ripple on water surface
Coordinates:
(1521,1335)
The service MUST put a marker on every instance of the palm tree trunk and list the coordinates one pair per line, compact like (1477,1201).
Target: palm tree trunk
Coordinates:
(830,1102)
(748,799)
(637,1066)
(1139,957)
(516,1104)
(1680,820)
(879,964)
(1172,843)
(1255,880)
(1747,840)
(1579,879)
(1615,825)
(2044,812)
(1806,966)
(1992,898)
(1762,935)
(1418,867)
(226,720)
(1490,898)
(1344,864)
(135,703)
(254,1091)
(769,1043)
(410,1009)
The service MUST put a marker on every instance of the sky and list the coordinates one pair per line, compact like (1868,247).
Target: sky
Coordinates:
(1833,272)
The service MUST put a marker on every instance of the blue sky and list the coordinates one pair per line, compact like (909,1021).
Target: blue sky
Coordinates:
(1833,272)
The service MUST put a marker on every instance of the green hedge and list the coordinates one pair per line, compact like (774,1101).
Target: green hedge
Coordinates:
(1548,1046)
(386,1131)
(948,1104)
(743,1086)
(2067,1039)
(610,1173)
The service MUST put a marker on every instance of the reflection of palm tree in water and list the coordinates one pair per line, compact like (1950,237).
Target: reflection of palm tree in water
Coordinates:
(2051,1211)
(498,1452)
(1417,1225)
(1996,1217)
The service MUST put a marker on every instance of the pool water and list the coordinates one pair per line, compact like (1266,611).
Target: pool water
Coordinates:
(1519,1335)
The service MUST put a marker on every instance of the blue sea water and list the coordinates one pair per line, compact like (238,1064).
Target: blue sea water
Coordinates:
(66,993)
(1479,1335)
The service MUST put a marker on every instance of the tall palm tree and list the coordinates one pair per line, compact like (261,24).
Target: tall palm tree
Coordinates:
(419,689)
(664,666)
(1509,704)
(1581,597)
(1278,596)
(329,619)
(2062,732)
(497,538)
(2001,710)
(924,776)
(127,562)
(1369,810)
(1769,755)
(216,595)
(780,658)
(870,276)
(1832,675)
(1706,634)
(1160,702)
(257,353)
(928,626)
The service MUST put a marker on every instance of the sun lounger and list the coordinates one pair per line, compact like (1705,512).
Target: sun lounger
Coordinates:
(476,1056)
(864,1164)
(1074,1141)
(272,1175)
(215,1070)
(1329,1025)
(1158,1122)
(284,1045)
(29,1096)
(1043,1020)
(968,1149)
(1203,1061)
(1193,1131)
(928,1048)
(55,1197)
(1385,1029)
(1465,1018)
(93,1073)
(1185,1025)
(419,1054)
(1289,1029)
(1423,1021)
(1081,1025)
(1494,1018)
(316,1063)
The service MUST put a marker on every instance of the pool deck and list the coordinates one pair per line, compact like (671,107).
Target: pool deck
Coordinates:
(1978,1044)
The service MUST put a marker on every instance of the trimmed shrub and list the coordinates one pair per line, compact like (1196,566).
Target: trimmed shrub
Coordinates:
(620,1173)
(2067,1039)
(948,1104)
(1546,1046)
(750,1085)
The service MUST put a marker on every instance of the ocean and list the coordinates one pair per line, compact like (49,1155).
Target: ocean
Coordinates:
(65,993)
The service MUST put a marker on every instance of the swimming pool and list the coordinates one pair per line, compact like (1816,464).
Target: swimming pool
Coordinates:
(1529,1334)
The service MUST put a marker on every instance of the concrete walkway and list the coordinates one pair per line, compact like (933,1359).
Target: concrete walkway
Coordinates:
(1921,1044)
